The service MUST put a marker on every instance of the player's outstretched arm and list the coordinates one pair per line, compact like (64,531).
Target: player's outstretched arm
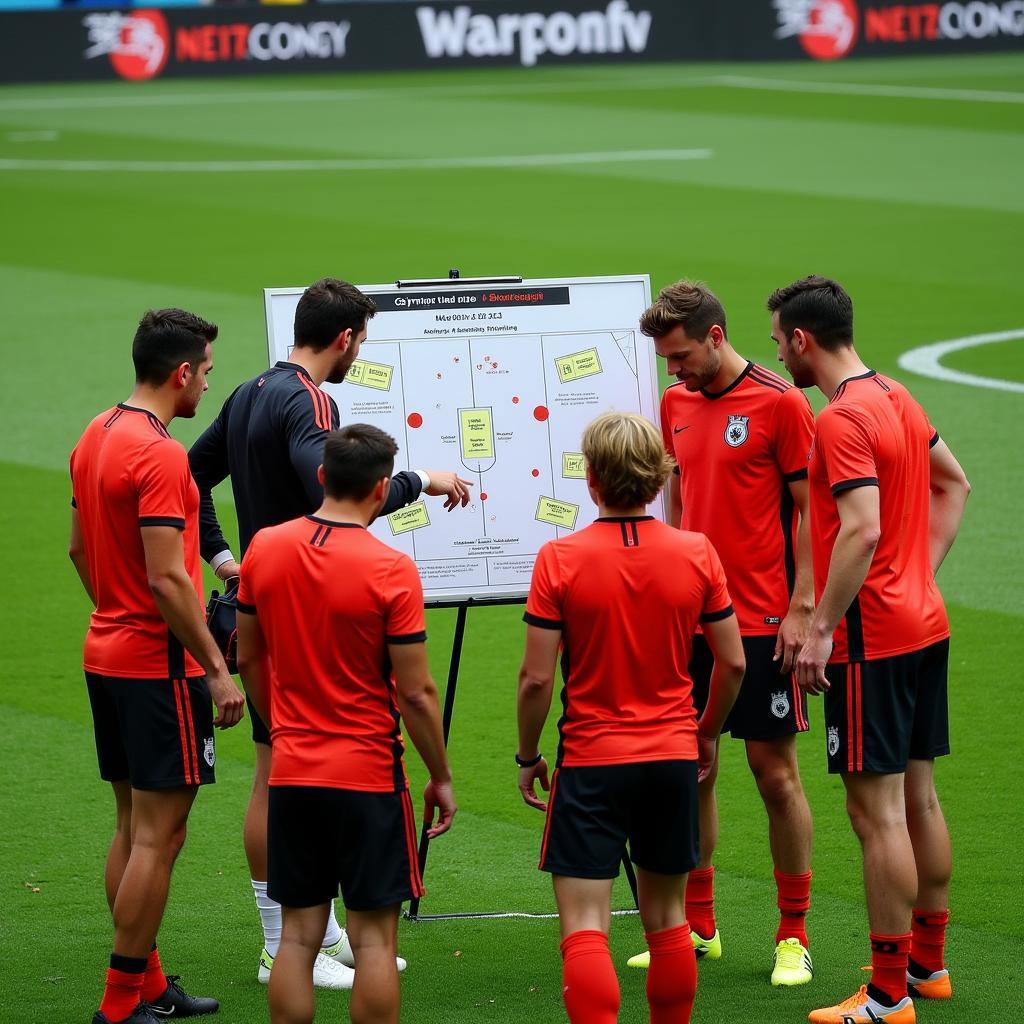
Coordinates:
(252,649)
(533,702)
(723,637)
(450,486)
(949,492)
(76,550)
(179,606)
(859,533)
(417,701)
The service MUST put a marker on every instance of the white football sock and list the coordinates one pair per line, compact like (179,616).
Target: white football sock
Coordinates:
(270,916)
(334,930)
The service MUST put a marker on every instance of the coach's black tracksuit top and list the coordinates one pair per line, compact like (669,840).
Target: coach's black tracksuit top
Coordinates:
(269,438)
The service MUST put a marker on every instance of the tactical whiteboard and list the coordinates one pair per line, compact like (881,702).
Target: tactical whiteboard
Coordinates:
(496,382)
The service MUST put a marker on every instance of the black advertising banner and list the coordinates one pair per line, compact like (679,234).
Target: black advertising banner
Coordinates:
(145,43)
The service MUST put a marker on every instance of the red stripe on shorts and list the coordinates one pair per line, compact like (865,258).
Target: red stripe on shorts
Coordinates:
(182,730)
(547,823)
(191,733)
(860,718)
(415,878)
(849,719)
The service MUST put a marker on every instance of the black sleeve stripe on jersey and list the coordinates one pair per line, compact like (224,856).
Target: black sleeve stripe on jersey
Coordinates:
(407,638)
(765,382)
(162,521)
(535,620)
(770,375)
(249,609)
(849,485)
(934,441)
(799,474)
(717,616)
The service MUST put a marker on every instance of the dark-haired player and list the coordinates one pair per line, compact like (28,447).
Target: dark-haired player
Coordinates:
(622,599)
(887,497)
(740,436)
(151,666)
(269,437)
(340,615)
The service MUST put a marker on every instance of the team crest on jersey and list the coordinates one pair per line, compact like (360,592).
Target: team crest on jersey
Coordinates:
(736,432)
(833,740)
(209,754)
(780,704)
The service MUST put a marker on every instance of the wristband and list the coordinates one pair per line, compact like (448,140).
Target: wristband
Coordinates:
(529,764)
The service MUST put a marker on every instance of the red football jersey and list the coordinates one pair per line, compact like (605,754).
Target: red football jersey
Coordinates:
(330,597)
(127,472)
(873,433)
(737,451)
(627,595)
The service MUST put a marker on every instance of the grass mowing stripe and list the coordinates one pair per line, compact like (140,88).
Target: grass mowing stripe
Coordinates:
(398,164)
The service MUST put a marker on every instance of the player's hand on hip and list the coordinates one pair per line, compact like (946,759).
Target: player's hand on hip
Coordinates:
(227,698)
(438,796)
(451,485)
(527,777)
(810,663)
(793,633)
(707,751)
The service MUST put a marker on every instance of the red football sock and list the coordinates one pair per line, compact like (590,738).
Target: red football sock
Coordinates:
(672,976)
(155,982)
(928,938)
(794,900)
(124,986)
(700,901)
(889,965)
(589,985)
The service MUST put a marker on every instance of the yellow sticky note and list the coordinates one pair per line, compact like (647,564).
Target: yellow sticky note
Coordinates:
(477,433)
(412,517)
(577,365)
(573,466)
(370,375)
(557,513)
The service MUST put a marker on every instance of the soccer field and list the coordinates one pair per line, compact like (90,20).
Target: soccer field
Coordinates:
(903,179)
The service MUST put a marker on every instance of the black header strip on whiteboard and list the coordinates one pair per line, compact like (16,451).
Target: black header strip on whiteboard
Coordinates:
(454,279)
(457,298)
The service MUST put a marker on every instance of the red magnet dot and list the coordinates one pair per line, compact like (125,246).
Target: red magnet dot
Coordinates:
(494,366)
(415,420)
(536,472)
(483,495)
(515,399)
(540,413)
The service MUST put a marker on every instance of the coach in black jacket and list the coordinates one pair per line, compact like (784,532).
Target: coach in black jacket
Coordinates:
(269,438)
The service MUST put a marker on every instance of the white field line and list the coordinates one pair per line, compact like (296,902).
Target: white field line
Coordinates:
(925,361)
(396,164)
(915,92)
(501,915)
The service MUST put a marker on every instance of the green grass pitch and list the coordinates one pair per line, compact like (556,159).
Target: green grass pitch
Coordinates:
(914,202)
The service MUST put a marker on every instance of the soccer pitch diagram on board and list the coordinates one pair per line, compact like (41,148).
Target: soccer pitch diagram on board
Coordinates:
(495,382)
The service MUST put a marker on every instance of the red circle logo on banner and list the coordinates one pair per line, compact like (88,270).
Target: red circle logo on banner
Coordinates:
(831,29)
(142,47)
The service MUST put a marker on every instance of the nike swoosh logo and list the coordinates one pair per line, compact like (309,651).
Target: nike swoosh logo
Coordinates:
(161,1012)
(679,430)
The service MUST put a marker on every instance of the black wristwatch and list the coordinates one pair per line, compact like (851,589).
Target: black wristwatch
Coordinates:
(530,763)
